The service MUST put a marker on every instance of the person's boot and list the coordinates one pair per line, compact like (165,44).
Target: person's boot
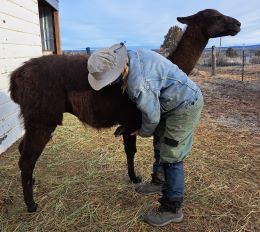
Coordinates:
(153,187)
(170,211)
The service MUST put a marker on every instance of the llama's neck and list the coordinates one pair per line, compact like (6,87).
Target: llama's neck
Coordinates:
(189,49)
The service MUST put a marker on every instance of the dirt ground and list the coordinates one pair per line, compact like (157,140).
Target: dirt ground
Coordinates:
(83,183)
(230,101)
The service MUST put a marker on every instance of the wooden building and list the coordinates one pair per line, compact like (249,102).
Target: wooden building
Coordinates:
(28,28)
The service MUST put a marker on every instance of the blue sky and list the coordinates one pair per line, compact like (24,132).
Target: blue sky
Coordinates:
(100,23)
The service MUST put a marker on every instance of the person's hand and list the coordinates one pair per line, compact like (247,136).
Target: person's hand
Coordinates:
(134,133)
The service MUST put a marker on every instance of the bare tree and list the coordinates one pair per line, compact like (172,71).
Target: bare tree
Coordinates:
(231,52)
(171,40)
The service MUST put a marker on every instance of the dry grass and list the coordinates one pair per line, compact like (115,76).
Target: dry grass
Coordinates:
(83,183)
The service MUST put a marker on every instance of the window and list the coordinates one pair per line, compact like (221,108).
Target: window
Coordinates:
(46,14)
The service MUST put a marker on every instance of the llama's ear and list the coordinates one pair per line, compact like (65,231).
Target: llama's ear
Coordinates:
(184,20)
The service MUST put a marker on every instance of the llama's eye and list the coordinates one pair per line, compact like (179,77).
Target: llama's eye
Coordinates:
(217,18)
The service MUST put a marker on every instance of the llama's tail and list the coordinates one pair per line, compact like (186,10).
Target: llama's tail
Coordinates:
(13,88)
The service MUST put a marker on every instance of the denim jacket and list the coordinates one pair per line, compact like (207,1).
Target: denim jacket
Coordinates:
(157,86)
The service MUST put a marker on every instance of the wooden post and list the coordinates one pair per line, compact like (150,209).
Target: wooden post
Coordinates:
(213,61)
(243,65)
(57,32)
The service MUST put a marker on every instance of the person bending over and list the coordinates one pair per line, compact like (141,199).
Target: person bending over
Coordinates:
(171,105)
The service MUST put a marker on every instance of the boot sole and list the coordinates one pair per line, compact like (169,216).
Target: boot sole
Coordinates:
(174,220)
(150,194)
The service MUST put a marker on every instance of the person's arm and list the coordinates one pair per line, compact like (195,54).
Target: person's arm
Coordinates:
(149,105)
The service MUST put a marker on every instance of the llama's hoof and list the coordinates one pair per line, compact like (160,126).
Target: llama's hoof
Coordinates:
(137,179)
(32,208)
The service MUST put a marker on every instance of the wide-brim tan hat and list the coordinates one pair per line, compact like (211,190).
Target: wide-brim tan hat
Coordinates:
(105,65)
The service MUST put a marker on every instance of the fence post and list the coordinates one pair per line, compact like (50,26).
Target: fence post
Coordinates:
(243,65)
(88,50)
(213,60)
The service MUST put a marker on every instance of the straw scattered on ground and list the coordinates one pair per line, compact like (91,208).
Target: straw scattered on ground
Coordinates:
(83,183)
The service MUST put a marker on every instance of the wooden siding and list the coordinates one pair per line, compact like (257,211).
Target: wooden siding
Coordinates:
(20,40)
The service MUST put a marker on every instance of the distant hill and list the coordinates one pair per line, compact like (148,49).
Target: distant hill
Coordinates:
(155,48)
(240,47)
(83,50)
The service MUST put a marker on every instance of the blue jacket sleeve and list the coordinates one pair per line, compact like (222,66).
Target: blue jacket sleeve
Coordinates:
(148,103)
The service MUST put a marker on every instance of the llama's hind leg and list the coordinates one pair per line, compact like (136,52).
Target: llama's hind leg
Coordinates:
(130,150)
(20,148)
(34,141)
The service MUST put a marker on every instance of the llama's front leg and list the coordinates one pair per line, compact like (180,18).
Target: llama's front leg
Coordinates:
(130,150)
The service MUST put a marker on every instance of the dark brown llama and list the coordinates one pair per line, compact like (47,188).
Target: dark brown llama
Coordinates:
(48,86)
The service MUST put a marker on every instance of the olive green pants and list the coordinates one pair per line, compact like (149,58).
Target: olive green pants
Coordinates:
(174,134)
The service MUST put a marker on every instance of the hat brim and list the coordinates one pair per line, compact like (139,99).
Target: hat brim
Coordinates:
(110,76)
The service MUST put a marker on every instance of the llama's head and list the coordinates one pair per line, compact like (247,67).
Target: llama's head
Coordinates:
(212,23)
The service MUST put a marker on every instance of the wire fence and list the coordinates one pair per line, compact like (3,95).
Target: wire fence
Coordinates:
(242,62)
